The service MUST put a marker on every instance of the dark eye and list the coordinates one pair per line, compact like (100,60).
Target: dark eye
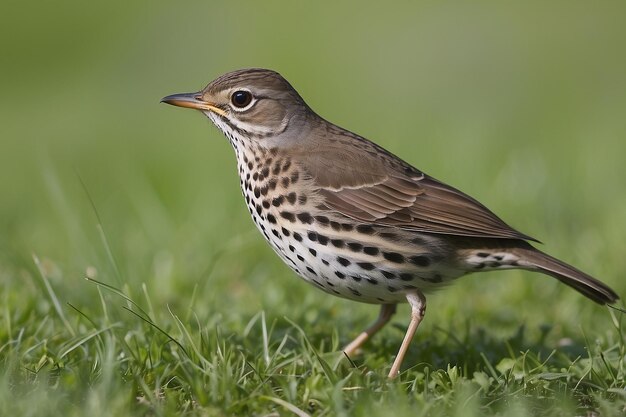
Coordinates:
(241,98)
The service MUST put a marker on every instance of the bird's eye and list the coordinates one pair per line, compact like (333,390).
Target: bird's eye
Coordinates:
(241,98)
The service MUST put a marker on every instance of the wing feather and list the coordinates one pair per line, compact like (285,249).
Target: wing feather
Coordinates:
(388,191)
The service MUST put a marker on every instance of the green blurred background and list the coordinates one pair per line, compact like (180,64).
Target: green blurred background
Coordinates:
(522,105)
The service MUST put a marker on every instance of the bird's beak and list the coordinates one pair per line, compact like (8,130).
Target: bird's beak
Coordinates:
(192,101)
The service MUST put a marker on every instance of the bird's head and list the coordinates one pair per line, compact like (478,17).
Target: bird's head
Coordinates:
(250,104)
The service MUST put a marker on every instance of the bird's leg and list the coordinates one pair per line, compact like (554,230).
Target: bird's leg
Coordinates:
(418,308)
(386,311)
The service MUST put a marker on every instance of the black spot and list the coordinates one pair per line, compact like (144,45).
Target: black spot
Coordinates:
(276,169)
(372,281)
(266,204)
(250,165)
(388,235)
(365,229)
(297,237)
(287,165)
(356,278)
(338,243)
(405,277)
(291,248)
(419,241)
(259,209)
(294,176)
(319,284)
(302,198)
(285,181)
(305,217)
(436,278)
(482,254)
(255,176)
(275,233)
(291,197)
(355,247)
(311,270)
(257,192)
(265,171)
(300,258)
(366,265)
(323,240)
(420,260)
(394,257)
(312,236)
(264,190)
(380,299)
(335,225)
(388,275)
(498,257)
(277,201)
(343,261)
(272,184)
(285,231)
(322,219)
(336,292)
(370,250)
(391,289)
(313,251)
(325,262)
(271,218)
(347,227)
(340,275)
(287,215)
(355,292)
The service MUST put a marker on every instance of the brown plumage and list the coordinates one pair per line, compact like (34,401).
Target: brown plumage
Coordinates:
(352,218)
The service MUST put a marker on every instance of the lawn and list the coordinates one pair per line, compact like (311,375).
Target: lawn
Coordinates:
(132,281)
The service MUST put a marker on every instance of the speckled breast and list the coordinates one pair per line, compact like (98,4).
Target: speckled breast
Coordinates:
(358,261)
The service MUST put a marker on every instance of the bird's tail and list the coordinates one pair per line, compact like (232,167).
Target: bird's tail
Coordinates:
(567,274)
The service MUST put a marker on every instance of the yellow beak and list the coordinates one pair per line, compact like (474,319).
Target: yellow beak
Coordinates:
(192,101)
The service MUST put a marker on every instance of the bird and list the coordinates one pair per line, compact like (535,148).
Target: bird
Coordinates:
(350,217)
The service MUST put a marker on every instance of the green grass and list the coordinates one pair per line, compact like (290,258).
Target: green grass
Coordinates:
(132,281)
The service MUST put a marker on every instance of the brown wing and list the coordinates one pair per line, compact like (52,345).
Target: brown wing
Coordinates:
(378,188)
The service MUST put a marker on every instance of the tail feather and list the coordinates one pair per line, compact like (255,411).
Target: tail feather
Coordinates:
(567,274)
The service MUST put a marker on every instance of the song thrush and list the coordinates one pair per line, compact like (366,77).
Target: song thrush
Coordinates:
(350,217)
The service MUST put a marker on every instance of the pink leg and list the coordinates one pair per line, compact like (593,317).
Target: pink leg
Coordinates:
(418,308)
(386,311)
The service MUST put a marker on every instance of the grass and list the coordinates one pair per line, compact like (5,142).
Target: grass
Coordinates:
(122,356)
(132,281)
(126,354)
